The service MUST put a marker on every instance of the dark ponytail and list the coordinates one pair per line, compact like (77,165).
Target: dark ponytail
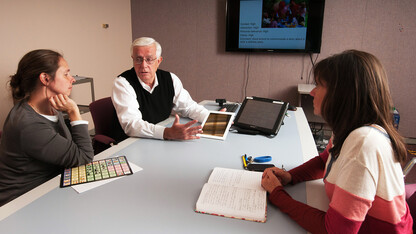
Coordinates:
(29,69)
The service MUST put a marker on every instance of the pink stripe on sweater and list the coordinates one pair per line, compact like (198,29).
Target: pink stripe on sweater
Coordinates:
(356,208)
(349,205)
(389,211)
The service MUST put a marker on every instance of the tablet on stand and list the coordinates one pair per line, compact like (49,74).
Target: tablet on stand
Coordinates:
(260,116)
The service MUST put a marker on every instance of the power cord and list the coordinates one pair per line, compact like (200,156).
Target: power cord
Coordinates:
(247,76)
(313,66)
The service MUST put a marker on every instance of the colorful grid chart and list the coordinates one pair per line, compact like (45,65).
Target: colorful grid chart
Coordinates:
(96,170)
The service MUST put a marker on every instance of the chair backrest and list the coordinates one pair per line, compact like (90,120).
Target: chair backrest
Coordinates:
(105,119)
(409,172)
(411,201)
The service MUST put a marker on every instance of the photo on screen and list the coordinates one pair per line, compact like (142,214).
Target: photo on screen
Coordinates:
(284,14)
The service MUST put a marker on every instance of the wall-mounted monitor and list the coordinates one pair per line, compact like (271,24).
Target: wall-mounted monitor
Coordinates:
(293,26)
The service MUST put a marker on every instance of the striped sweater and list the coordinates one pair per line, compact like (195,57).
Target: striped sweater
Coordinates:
(364,185)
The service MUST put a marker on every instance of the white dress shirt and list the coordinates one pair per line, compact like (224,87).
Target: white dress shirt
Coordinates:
(130,117)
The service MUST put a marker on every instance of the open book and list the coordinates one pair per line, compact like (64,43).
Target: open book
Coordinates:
(235,194)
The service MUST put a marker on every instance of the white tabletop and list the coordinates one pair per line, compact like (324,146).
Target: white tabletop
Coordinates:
(161,198)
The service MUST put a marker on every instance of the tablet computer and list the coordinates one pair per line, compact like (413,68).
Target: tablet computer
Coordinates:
(260,116)
(216,125)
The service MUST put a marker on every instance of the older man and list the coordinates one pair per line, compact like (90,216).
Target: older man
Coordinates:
(146,95)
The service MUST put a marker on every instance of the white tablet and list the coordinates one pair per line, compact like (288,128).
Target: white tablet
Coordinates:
(217,124)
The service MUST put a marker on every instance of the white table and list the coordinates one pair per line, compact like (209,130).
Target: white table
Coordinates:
(161,198)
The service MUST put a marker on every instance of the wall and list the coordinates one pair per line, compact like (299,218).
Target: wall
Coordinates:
(73,28)
(192,34)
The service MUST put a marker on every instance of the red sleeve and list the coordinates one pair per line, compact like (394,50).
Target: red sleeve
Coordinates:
(311,219)
(324,155)
(311,170)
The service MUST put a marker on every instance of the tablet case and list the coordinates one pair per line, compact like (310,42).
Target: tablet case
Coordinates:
(260,116)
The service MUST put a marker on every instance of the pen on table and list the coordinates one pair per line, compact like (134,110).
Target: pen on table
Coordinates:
(244,161)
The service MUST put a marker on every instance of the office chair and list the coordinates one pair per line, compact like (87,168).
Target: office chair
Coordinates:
(108,131)
(410,187)
(411,201)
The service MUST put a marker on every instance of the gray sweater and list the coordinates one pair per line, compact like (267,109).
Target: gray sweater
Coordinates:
(34,149)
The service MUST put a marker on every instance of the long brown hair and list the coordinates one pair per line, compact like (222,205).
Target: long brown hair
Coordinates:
(29,69)
(357,95)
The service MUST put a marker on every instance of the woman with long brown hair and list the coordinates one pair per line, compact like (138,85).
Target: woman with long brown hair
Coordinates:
(361,166)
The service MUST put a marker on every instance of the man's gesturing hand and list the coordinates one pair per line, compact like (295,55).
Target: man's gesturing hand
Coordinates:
(182,131)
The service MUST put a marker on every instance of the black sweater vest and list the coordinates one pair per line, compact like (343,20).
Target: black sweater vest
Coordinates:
(156,106)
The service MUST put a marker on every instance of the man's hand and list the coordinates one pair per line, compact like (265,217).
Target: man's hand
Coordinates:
(182,131)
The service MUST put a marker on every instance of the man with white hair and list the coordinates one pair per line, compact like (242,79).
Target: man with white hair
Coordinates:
(145,95)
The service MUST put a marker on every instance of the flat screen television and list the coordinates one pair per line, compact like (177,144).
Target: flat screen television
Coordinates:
(293,26)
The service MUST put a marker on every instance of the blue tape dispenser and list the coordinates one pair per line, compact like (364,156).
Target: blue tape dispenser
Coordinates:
(260,159)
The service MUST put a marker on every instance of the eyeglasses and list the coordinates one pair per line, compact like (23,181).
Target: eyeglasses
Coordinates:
(139,60)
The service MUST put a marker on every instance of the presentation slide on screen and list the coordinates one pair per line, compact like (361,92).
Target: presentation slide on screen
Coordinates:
(266,24)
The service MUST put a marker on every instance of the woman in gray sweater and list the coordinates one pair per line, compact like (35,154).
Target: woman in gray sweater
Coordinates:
(36,144)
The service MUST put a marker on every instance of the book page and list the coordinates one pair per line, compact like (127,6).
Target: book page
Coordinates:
(236,178)
(233,202)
